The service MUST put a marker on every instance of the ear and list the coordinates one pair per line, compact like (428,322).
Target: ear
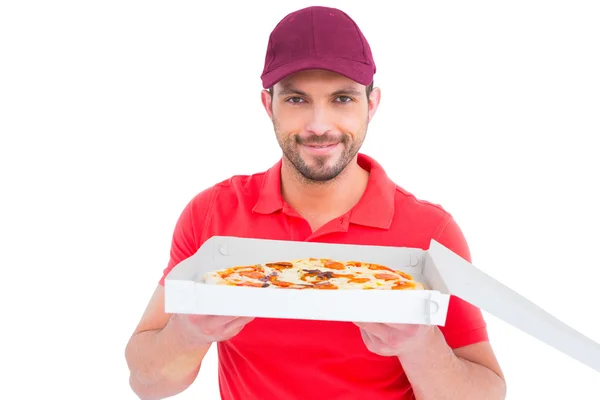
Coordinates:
(267,102)
(374,102)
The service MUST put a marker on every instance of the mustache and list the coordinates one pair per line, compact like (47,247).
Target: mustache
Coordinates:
(318,140)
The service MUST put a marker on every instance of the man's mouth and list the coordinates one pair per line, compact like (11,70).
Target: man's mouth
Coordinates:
(321,148)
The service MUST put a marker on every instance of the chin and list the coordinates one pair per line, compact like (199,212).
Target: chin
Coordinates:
(321,176)
(321,172)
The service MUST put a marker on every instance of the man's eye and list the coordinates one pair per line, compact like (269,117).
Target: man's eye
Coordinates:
(294,100)
(344,99)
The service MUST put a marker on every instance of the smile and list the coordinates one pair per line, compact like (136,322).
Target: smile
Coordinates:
(321,148)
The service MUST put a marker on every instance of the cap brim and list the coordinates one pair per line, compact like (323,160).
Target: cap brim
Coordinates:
(355,70)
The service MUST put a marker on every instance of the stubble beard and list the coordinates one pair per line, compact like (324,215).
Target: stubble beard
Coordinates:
(319,172)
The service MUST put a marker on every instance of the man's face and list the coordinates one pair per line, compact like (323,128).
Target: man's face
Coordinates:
(320,120)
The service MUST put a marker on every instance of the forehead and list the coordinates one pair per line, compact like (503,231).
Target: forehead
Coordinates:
(317,80)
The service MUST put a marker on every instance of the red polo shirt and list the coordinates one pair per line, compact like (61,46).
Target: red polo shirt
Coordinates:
(299,359)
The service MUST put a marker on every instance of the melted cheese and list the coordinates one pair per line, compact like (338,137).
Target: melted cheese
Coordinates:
(305,273)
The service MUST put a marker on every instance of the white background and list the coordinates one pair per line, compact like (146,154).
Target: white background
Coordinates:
(114,114)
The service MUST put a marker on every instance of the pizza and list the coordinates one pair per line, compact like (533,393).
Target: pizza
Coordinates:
(314,273)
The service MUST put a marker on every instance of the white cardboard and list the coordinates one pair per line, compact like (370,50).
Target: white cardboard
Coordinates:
(185,293)
(441,271)
(472,285)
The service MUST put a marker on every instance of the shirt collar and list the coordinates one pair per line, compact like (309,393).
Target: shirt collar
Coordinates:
(374,209)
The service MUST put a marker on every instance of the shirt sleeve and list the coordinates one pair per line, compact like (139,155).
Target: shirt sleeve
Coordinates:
(189,233)
(465,324)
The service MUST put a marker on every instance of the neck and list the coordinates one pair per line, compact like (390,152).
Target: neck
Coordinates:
(323,199)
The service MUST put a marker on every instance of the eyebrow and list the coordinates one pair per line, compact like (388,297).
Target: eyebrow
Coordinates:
(286,90)
(348,90)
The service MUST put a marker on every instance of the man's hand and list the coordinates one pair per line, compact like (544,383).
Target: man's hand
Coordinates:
(207,329)
(395,339)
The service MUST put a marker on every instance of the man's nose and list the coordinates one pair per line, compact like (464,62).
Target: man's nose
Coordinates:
(320,121)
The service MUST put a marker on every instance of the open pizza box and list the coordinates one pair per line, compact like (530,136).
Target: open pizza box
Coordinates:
(443,273)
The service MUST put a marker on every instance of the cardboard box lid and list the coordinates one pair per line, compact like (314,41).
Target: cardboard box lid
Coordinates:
(464,280)
(444,271)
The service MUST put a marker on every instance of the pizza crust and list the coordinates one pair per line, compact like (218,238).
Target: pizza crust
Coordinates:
(213,278)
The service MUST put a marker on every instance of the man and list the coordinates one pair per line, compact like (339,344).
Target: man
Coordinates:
(319,94)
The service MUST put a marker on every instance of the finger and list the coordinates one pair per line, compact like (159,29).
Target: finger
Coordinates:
(210,323)
(375,345)
(238,322)
(234,327)
(394,326)
(212,326)
(379,330)
(371,338)
(369,342)
(407,329)
(213,320)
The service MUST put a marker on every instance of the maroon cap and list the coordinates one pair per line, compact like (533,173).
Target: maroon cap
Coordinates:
(319,38)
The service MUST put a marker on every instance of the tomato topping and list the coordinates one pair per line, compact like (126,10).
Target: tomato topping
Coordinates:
(334,265)
(402,285)
(386,277)
(252,274)
(359,280)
